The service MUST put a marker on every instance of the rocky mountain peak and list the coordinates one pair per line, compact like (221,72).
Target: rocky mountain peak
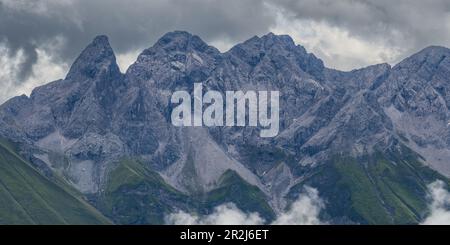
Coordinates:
(280,50)
(428,58)
(177,58)
(434,49)
(96,60)
(265,43)
(282,40)
(181,41)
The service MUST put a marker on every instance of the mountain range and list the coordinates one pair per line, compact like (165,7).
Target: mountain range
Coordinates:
(100,142)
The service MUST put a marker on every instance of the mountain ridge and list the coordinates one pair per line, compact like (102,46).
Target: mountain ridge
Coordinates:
(83,125)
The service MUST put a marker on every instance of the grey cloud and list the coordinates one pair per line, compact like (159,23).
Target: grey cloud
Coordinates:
(130,25)
(411,24)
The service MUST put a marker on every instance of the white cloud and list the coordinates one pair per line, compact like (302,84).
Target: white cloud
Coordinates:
(304,211)
(439,207)
(226,214)
(45,70)
(337,47)
(124,60)
(9,67)
(406,26)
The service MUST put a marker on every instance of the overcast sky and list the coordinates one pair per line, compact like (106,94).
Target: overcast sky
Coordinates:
(40,39)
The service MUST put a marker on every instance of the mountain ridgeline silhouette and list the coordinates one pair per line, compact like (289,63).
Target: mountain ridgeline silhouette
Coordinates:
(369,140)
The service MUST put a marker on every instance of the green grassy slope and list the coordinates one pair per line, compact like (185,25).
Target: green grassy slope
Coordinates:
(135,194)
(27,197)
(377,189)
(249,198)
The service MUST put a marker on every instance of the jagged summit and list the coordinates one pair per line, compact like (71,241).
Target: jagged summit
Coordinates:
(271,39)
(279,50)
(97,59)
(435,48)
(99,54)
(101,40)
(180,41)
(430,53)
(431,56)
(181,36)
(266,42)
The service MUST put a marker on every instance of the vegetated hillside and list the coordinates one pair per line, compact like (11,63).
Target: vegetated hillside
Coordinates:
(27,197)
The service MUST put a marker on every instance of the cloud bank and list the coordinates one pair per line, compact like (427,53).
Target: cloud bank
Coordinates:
(439,206)
(304,211)
(226,214)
